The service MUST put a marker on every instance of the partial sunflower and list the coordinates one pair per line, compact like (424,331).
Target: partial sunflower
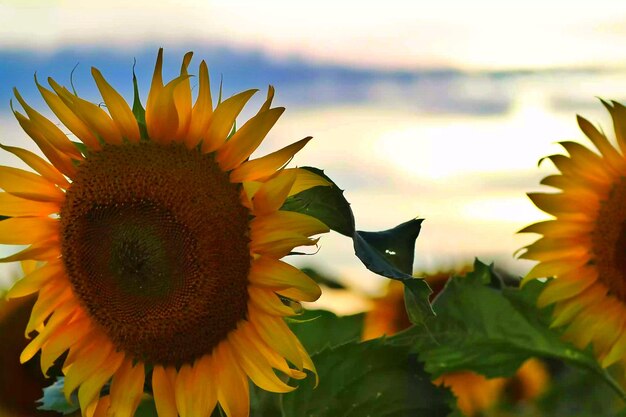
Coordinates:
(584,246)
(159,243)
(20,385)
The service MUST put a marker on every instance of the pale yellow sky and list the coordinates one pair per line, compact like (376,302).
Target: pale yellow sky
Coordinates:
(483,34)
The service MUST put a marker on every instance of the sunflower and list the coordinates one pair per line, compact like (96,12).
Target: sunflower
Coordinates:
(584,246)
(159,245)
(20,386)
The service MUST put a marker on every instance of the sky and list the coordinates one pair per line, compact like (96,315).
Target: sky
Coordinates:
(435,109)
(481,34)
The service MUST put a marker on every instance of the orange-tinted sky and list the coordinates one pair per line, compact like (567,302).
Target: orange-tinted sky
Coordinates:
(482,34)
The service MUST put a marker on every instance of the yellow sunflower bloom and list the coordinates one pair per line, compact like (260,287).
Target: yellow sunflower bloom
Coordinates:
(159,247)
(584,245)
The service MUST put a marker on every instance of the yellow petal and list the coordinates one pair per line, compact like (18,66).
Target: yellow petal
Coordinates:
(202,110)
(613,158)
(564,288)
(255,365)
(182,99)
(28,185)
(60,318)
(273,358)
(59,159)
(13,206)
(617,352)
(25,230)
(39,164)
(157,81)
(280,243)
(51,133)
(245,140)
(232,388)
(552,268)
(272,194)
(558,203)
(223,119)
(32,282)
(268,100)
(618,114)
(47,250)
(277,335)
(90,389)
(286,221)
(305,180)
(274,274)
(560,228)
(268,301)
(267,165)
(120,112)
(62,340)
(102,408)
(162,118)
(204,387)
(183,386)
(89,361)
(67,116)
(127,388)
(163,392)
(92,116)
(50,297)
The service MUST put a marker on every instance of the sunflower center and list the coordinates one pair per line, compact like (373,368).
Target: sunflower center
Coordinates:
(155,242)
(609,241)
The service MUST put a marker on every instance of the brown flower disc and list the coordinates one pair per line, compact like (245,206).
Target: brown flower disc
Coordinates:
(609,241)
(155,242)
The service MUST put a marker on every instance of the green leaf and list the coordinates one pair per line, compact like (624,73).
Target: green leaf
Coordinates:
(492,331)
(325,203)
(371,378)
(318,329)
(578,393)
(54,400)
(389,253)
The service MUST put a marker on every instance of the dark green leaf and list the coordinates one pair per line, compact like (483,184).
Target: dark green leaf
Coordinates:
(389,253)
(325,203)
(578,393)
(54,400)
(318,329)
(493,331)
(367,379)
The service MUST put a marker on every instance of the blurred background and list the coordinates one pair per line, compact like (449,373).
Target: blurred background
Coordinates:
(418,108)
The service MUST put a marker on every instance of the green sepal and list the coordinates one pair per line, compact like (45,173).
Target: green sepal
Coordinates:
(82,148)
(138,109)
